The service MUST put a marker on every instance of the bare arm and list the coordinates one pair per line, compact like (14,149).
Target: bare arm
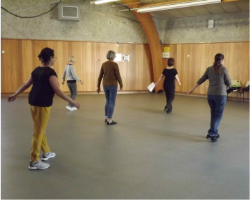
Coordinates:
(159,79)
(178,80)
(55,86)
(24,87)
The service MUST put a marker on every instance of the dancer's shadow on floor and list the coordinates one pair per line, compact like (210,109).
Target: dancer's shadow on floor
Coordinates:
(187,136)
(148,109)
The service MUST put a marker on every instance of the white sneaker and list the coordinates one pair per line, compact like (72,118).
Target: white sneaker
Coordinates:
(69,108)
(49,155)
(74,108)
(38,165)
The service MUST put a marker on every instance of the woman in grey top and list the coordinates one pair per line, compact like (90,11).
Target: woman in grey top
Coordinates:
(71,81)
(219,82)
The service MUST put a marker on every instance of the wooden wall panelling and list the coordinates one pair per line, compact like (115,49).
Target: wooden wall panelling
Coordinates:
(138,72)
(124,66)
(131,76)
(2,80)
(11,67)
(243,65)
(86,54)
(146,67)
(27,60)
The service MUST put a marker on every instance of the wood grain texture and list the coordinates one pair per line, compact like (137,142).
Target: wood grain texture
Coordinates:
(151,33)
(21,58)
(191,61)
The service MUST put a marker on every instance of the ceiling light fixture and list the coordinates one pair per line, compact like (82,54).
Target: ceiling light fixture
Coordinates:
(102,1)
(177,5)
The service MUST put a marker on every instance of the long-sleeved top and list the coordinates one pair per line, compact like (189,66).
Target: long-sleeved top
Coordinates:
(217,82)
(110,74)
(71,73)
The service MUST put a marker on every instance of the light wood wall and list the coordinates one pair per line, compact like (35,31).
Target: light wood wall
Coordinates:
(152,35)
(191,61)
(21,58)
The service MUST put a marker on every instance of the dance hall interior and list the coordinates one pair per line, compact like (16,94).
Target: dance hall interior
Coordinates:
(125,99)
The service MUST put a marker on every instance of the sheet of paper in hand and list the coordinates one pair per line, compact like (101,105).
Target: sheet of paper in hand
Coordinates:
(151,86)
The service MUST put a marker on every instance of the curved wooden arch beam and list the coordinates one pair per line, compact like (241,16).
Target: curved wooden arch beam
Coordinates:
(151,33)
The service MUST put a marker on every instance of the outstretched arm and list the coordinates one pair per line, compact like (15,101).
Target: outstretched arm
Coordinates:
(200,81)
(190,91)
(24,87)
(54,84)
(159,79)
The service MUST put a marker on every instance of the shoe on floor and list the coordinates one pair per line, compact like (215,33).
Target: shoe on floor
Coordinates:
(217,136)
(38,165)
(49,155)
(106,120)
(69,108)
(111,123)
(74,108)
(213,139)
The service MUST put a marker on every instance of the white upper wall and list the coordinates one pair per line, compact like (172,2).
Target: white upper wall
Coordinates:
(228,27)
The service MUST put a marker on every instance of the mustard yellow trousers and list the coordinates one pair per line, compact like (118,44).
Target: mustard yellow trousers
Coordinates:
(40,117)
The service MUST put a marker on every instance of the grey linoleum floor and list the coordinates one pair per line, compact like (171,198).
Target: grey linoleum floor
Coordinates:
(149,154)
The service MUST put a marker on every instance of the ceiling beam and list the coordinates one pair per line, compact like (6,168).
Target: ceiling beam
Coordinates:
(152,35)
(175,2)
(229,0)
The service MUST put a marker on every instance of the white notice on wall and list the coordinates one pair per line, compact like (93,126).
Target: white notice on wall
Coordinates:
(118,57)
(165,54)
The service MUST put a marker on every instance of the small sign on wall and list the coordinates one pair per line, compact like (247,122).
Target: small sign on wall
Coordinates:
(165,54)
(126,58)
(118,57)
(166,49)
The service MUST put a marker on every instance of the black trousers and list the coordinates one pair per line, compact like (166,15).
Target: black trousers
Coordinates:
(169,97)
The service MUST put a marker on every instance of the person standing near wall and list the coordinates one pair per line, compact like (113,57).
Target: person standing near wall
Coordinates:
(219,82)
(111,75)
(71,81)
(45,85)
(171,75)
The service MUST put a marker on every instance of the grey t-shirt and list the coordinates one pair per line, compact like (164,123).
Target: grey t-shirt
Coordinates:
(70,72)
(217,82)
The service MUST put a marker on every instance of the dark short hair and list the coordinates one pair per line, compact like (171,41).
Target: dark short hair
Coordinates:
(170,62)
(46,54)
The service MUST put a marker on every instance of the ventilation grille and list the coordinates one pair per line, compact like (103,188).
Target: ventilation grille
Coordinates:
(68,12)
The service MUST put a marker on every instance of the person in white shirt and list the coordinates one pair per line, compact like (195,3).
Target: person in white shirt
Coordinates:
(71,81)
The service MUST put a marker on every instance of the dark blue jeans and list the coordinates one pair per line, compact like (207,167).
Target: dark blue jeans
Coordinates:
(110,93)
(217,104)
